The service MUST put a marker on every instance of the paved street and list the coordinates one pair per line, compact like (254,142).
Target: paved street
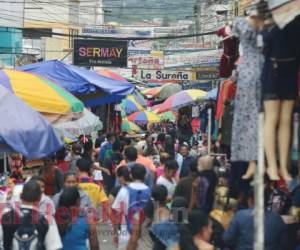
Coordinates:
(105,237)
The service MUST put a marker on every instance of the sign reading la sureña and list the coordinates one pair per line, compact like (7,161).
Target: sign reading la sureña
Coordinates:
(163,75)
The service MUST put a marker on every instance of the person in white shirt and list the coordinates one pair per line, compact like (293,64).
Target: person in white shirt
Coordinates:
(46,205)
(121,203)
(168,178)
(45,226)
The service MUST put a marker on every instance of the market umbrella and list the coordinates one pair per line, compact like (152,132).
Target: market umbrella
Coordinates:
(130,105)
(128,126)
(24,130)
(41,94)
(144,117)
(112,75)
(168,116)
(151,91)
(139,98)
(212,94)
(168,90)
(181,99)
(92,88)
(87,124)
(123,113)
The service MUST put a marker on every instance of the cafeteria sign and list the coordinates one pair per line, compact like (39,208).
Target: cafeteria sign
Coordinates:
(100,53)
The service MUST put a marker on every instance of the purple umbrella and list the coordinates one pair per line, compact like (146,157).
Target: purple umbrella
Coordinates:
(24,130)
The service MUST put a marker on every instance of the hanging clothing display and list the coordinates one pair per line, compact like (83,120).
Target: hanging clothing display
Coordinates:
(195,111)
(247,102)
(230,53)
(227,121)
(227,92)
(282,61)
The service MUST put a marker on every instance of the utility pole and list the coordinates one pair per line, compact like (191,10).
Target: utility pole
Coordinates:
(99,17)
(197,12)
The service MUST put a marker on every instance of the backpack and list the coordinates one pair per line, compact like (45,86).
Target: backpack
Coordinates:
(26,232)
(137,201)
(200,187)
(278,202)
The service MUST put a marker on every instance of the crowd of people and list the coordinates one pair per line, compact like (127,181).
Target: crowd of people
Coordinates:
(156,192)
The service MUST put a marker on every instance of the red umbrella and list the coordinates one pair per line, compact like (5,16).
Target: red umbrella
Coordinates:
(112,75)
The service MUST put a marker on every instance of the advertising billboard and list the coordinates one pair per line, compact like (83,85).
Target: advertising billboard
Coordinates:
(100,53)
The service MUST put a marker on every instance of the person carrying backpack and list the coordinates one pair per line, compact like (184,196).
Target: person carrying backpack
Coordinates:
(25,228)
(130,202)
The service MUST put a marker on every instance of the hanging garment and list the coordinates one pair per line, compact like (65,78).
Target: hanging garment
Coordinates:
(282,61)
(227,121)
(247,102)
(230,53)
(195,111)
(227,93)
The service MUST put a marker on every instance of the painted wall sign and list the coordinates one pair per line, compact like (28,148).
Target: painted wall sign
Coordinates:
(100,53)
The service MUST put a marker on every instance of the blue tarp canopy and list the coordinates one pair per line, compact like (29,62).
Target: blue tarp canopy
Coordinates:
(89,86)
(24,130)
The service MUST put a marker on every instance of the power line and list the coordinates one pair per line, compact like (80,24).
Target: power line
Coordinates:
(104,6)
(84,25)
(120,39)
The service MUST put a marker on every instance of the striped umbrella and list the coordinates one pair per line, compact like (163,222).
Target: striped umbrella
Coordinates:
(151,91)
(41,94)
(139,98)
(112,75)
(130,105)
(144,117)
(168,116)
(128,126)
(181,99)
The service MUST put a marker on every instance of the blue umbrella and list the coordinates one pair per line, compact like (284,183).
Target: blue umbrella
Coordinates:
(24,130)
(81,82)
(212,95)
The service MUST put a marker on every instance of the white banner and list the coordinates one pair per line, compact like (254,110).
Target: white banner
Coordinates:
(145,62)
(164,75)
(192,59)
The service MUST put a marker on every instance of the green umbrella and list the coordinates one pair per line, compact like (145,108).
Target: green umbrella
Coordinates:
(128,126)
(169,90)
(168,116)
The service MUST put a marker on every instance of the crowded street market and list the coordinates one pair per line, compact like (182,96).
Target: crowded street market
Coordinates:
(133,127)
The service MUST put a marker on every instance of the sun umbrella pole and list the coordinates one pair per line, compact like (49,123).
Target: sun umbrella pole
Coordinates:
(209,130)
(259,190)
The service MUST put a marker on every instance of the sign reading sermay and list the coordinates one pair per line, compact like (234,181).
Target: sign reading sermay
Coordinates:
(100,53)
(164,75)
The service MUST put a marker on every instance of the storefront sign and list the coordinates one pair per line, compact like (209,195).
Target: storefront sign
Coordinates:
(100,53)
(107,30)
(145,62)
(132,52)
(153,61)
(207,75)
(206,86)
(164,75)
(117,31)
(207,57)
